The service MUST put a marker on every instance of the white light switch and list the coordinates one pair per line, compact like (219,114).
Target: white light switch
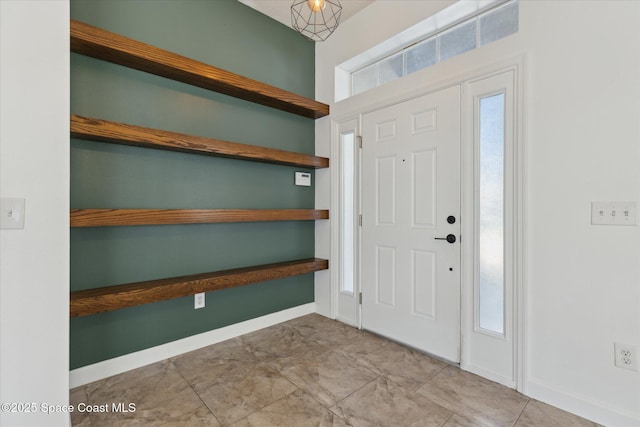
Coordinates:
(11,213)
(614,213)
(303,178)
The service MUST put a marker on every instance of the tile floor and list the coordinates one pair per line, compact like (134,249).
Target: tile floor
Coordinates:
(310,371)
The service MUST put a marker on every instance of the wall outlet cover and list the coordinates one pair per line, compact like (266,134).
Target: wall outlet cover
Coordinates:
(198,301)
(626,356)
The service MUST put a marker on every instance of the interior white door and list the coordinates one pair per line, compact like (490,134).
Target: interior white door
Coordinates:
(410,203)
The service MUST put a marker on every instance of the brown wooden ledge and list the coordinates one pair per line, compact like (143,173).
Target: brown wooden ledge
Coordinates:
(122,217)
(105,45)
(91,301)
(125,134)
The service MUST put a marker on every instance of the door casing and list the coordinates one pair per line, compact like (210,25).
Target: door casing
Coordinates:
(353,110)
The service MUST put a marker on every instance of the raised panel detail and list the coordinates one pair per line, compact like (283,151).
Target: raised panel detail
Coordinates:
(386,275)
(424,187)
(386,191)
(424,283)
(424,121)
(385,130)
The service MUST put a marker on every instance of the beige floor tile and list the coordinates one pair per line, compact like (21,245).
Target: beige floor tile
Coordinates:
(458,421)
(290,374)
(76,396)
(241,392)
(339,337)
(313,324)
(207,363)
(159,392)
(384,403)
(364,344)
(281,347)
(329,377)
(142,379)
(85,423)
(403,366)
(538,414)
(279,342)
(201,417)
(296,409)
(477,399)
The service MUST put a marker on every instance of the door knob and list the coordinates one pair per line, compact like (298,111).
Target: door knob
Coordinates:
(450,238)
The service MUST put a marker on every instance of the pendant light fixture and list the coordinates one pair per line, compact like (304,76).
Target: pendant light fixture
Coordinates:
(316,19)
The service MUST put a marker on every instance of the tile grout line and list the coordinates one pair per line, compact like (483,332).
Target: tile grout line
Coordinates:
(350,394)
(448,419)
(266,406)
(196,393)
(521,412)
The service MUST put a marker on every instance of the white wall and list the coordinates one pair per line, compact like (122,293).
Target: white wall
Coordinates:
(582,139)
(34,164)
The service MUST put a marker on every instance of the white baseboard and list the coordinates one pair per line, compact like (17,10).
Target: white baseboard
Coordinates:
(595,411)
(118,365)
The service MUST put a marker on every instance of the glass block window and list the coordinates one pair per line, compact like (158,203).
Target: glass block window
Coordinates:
(473,32)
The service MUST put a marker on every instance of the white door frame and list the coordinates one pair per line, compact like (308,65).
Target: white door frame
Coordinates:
(351,109)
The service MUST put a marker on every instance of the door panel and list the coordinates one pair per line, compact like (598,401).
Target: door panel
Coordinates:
(386,190)
(424,187)
(410,185)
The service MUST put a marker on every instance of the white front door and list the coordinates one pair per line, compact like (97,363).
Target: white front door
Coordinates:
(410,278)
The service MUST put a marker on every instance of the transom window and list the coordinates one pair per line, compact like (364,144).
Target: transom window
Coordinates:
(474,31)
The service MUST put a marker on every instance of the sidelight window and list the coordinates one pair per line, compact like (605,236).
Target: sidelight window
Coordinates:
(347,223)
(491,212)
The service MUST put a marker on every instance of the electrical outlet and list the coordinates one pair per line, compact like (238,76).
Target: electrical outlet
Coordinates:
(198,300)
(626,356)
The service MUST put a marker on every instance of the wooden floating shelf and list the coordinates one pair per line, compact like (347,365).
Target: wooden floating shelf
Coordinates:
(110,298)
(101,44)
(122,217)
(125,134)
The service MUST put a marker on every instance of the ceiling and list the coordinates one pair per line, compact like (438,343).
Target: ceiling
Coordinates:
(280,10)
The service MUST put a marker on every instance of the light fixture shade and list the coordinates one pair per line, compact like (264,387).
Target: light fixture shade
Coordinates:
(316,19)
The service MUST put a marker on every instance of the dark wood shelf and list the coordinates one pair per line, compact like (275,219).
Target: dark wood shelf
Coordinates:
(121,217)
(125,134)
(101,44)
(104,45)
(110,298)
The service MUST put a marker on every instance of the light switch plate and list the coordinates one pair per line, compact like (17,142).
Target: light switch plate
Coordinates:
(614,213)
(303,179)
(11,213)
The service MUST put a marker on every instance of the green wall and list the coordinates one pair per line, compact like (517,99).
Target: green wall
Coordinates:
(228,35)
